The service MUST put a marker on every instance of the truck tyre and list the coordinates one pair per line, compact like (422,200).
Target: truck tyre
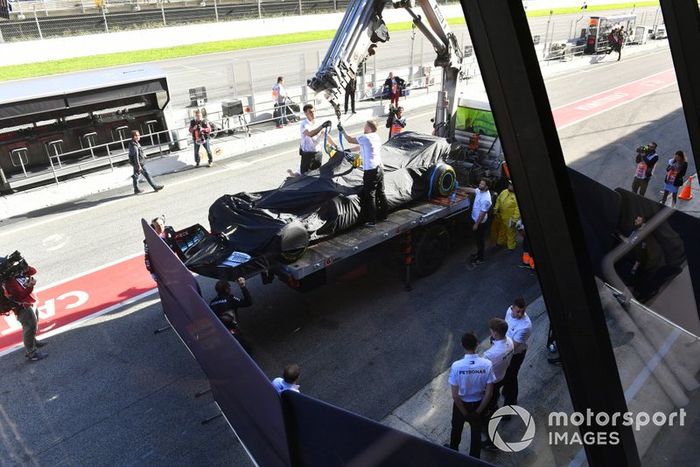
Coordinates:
(442,180)
(431,247)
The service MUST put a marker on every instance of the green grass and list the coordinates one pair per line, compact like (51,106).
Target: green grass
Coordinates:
(125,58)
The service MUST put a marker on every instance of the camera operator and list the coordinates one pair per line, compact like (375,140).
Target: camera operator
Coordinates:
(396,121)
(646,159)
(201,132)
(19,287)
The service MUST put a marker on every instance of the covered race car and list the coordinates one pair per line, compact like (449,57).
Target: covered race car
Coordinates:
(252,232)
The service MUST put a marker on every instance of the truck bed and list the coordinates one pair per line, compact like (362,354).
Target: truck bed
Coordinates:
(361,238)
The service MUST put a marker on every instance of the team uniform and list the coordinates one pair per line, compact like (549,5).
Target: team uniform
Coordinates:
(311,148)
(482,203)
(470,375)
(500,354)
(519,330)
(374,204)
(281,385)
(225,307)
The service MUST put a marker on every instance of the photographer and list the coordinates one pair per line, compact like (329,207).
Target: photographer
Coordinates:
(646,159)
(396,121)
(18,283)
(201,133)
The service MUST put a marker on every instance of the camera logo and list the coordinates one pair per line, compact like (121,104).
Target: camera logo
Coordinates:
(527,419)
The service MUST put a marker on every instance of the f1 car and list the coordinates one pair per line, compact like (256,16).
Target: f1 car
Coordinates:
(251,232)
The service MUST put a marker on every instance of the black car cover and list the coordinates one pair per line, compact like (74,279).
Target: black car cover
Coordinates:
(260,229)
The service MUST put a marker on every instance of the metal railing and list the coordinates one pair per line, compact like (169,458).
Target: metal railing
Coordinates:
(36,19)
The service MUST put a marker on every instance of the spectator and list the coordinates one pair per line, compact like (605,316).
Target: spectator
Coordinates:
(506,217)
(279,96)
(311,140)
(350,89)
(20,290)
(646,160)
(675,171)
(519,330)
(393,86)
(200,129)
(480,209)
(288,381)
(374,204)
(225,306)
(137,160)
(396,122)
(471,380)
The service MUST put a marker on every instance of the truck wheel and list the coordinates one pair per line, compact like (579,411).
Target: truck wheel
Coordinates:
(430,250)
(442,180)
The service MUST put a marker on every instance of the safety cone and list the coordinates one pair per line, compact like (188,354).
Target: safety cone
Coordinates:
(687,192)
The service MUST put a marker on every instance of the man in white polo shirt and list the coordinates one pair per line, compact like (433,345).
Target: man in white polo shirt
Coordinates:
(519,329)
(500,354)
(374,205)
(480,214)
(311,147)
(471,380)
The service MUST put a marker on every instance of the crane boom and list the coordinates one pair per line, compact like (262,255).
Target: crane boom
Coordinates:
(360,31)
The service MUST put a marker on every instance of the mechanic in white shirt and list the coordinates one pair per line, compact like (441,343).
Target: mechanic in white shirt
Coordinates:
(311,147)
(500,354)
(480,214)
(288,380)
(519,330)
(374,205)
(471,380)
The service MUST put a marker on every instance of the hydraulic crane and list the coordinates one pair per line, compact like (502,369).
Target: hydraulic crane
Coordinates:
(360,31)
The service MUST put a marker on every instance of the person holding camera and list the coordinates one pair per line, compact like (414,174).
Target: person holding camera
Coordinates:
(200,130)
(396,121)
(19,289)
(138,160)
(312,141)
(646,160)
(167,233)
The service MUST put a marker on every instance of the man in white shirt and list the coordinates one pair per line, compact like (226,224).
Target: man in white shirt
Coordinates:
(480,215)
(374,205)
(471,380)
(500,354)
(311,146)
(519,330)
(288,380)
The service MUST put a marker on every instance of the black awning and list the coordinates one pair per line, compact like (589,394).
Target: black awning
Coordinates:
(14,110)
(97,96)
